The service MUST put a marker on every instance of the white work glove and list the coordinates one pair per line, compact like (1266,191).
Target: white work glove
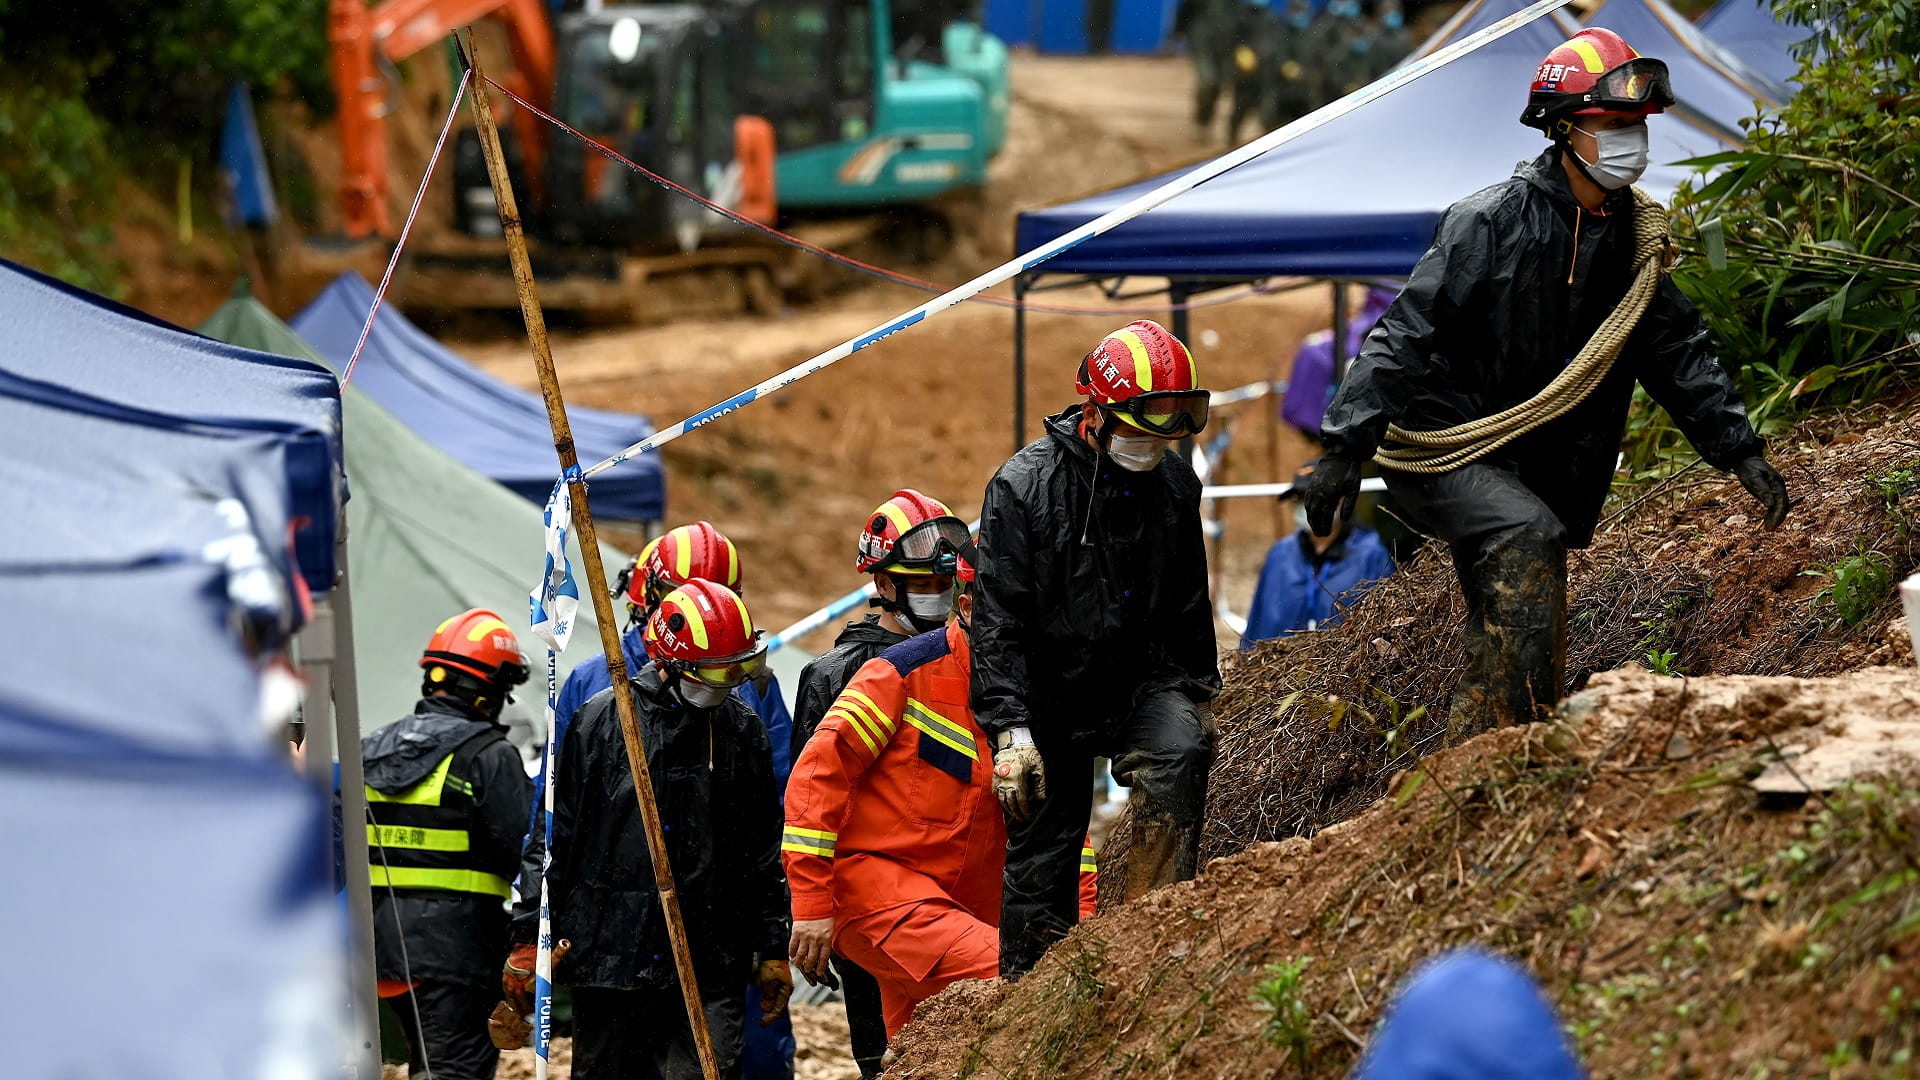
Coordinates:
(1019,779)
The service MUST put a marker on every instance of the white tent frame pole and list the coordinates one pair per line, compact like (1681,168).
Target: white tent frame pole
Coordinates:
(364,994)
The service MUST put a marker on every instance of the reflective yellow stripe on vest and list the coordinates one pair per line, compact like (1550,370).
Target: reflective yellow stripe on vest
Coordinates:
(425,793)
(412,877)
(404,836)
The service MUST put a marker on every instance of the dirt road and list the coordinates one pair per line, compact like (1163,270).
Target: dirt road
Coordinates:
(791,478)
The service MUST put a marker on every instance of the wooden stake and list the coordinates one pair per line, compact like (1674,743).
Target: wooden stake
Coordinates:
(590,555)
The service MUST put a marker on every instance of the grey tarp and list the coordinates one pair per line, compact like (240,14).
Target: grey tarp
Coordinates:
(427,538)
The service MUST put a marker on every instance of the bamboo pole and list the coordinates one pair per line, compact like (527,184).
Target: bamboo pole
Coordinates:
(590,555)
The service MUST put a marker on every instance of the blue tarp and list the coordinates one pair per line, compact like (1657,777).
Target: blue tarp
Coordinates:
(1060,26)
(497,430)
(1706,78)
(1747,29)
(243,162)
(1360,196)
(96,355)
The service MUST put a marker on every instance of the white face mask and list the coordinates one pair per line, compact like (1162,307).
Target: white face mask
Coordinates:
(699,695)
(1136,453)
(931,607)
(1623,156)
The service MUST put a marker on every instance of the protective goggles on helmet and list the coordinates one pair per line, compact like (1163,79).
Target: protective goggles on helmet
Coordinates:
(728,673)
(1170,413)
(1636,84)
(935,546)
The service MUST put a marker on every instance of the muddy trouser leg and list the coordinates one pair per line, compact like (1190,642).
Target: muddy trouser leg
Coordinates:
(1041,899)
(1510,552)
(627,1034)
(1163,756)
(453,1029)
(674,1051)
(866,1023)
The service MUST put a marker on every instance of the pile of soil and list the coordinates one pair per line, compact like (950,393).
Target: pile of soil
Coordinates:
(1681,925)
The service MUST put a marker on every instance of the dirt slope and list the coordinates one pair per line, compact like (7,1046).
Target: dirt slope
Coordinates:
(1681,927)
(1688,573)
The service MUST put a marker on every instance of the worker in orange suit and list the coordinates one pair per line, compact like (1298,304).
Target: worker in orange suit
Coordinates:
(894,844)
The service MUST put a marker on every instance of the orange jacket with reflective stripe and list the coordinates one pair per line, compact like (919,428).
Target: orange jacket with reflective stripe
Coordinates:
(892,800)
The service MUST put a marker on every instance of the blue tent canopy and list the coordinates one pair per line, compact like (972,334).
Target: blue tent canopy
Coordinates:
(190,863)
(1748,30)
(1706,78)
(1358,197)
(97,354)
(125,465)
(141,659)
(497,430)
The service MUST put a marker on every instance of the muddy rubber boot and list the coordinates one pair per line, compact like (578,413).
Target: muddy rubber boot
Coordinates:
(1516,634)
(1160,853)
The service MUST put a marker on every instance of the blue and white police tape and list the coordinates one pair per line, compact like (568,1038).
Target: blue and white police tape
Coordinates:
(556,599)
(1179,185)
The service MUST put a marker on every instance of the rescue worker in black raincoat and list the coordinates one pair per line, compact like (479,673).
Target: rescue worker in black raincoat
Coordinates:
(1093,633)
(1296,56)
(712,775)
(914,593)
(449,799)
(1517,279)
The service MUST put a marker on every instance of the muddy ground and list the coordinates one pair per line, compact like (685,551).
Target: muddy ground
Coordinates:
(1682,925)
(819,1030)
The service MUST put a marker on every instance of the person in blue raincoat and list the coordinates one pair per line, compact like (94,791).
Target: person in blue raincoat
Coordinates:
(690,551)
(1309,580)
(1469,1015)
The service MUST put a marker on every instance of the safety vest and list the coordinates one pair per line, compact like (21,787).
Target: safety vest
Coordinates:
(418,840)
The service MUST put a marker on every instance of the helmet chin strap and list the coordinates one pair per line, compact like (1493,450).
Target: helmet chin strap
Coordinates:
(899,610)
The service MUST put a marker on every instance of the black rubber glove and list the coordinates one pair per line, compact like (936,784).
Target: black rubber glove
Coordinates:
(1764,483)
(1333,483)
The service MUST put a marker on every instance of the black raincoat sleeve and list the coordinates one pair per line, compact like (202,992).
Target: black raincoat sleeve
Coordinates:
(504,795)
(1187,639)
(1398,360)
(1003,607)
(566,799)
(761,869)
(810,703)
(1680,371)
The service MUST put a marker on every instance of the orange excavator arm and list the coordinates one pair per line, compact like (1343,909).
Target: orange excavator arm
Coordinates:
(397,29)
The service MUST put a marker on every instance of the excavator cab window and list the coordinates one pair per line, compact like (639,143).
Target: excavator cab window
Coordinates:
(623,83)
(812,70)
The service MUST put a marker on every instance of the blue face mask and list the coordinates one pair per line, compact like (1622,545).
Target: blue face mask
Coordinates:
(1361,45)
(1302,19)
(1392,20)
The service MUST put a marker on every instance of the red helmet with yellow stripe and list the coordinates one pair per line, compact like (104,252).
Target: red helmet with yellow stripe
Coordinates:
(701,629)
(475,657)
(1142,375)
(690,551)
(1594,72)
(911,533)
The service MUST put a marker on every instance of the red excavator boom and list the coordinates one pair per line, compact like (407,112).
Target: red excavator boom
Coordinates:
(396,30)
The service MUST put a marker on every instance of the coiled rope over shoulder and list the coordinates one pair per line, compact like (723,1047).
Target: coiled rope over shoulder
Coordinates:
(1449,448)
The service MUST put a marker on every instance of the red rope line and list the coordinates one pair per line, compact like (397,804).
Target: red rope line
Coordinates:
(405,230)
(880,272)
